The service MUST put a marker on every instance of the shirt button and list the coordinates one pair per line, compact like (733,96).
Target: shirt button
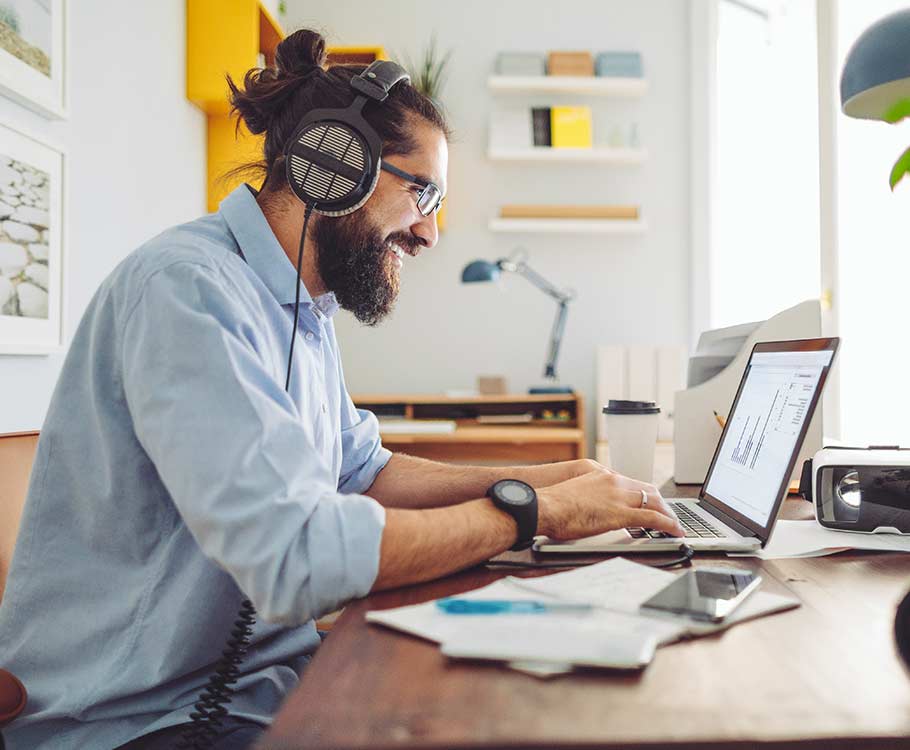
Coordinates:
(309,336)
(324,408)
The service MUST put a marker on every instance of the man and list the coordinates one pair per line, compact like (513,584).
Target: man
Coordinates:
(175,476)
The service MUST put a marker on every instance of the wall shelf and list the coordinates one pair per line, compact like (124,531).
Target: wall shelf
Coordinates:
(601,155)
(591,85)
(569,226)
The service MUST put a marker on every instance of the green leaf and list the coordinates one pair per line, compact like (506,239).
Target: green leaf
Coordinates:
(901,167)
(897,111)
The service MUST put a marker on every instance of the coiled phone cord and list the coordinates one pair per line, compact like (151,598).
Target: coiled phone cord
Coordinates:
(211,707)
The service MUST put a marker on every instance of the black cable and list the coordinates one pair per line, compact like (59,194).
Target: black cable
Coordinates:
(210,708)
(306,220)
(685,560)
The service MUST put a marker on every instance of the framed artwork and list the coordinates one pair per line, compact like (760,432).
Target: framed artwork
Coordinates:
(33,54)
(31,245)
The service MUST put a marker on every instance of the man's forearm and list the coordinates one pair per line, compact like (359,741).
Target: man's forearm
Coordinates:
(420,545)
(409,482)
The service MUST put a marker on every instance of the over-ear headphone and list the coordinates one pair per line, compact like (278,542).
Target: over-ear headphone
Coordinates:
(332,161)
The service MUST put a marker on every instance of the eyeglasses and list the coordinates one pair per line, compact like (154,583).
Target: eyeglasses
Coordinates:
(430,197)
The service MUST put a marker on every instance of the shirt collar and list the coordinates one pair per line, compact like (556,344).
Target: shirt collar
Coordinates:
(264,254)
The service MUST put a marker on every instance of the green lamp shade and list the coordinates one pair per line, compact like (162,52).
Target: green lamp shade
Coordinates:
(876,75)
(479,270)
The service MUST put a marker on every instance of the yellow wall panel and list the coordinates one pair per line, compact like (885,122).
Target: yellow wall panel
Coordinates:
(222,37)
(225,152)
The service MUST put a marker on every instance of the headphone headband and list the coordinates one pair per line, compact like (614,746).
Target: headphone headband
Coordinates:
(379,78)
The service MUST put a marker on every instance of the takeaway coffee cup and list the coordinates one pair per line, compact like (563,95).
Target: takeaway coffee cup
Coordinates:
(632,437)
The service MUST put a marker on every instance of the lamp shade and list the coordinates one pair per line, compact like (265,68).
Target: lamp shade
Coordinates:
(479,270)
(876,74)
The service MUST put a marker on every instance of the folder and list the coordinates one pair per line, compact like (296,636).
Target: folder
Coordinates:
(570,127)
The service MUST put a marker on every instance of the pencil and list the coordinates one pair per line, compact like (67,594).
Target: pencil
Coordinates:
(720,420)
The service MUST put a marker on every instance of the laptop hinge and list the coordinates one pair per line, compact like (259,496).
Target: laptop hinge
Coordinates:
(731,522)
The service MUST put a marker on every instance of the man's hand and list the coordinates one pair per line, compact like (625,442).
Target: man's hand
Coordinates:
(544,475)
(599,501)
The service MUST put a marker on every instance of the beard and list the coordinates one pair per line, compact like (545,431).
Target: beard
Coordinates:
(354,260)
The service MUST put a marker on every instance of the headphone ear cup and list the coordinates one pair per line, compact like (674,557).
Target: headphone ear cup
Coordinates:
(331,166)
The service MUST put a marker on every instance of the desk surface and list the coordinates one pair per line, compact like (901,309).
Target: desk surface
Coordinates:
(825,675)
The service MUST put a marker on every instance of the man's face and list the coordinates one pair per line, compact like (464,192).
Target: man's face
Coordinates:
(359,255)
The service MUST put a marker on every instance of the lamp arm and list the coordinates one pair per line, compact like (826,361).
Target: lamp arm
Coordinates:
(523,269)
(559,327)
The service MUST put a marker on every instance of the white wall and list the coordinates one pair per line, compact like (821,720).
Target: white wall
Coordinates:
(630,289)
(135,162)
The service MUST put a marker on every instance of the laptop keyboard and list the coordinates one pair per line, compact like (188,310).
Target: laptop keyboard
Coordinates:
(692,524)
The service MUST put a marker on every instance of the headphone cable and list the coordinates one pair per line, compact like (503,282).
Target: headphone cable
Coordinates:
(308,210)
(206,720)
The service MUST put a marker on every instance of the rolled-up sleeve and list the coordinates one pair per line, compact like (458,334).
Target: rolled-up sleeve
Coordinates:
(230,446)
(362,454)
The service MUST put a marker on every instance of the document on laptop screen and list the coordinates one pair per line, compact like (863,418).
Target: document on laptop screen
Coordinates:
(763,429)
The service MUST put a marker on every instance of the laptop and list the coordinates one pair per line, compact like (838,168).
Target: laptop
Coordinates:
(748,478)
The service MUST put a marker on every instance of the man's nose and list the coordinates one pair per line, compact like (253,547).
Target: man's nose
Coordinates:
(426,230)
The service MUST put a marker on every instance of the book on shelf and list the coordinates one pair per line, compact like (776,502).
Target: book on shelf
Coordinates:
(540,119)
(399,426)
(522,418)
(568,212)
(510,128)
(570,127)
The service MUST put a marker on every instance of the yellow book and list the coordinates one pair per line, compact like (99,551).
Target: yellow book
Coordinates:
(570,127)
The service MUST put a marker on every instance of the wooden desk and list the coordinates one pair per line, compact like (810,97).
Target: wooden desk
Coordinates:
(539,440)
(823,676)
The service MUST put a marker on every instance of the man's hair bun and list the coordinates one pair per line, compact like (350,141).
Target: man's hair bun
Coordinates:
(300,53)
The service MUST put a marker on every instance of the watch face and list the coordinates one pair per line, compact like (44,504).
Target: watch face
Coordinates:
(514,493)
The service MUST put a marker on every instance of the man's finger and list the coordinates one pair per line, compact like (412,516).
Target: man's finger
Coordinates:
(652,519)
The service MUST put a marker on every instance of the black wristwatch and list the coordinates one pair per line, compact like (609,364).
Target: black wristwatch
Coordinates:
(519,500)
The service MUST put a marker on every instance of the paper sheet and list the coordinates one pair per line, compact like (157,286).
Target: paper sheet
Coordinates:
(617,587)
(623,585)
(811,539)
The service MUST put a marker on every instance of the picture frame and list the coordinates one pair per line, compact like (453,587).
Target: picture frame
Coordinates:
(33,55)
(32,253)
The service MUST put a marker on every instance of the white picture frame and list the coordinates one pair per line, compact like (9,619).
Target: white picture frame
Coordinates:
(32,255)
(22,81)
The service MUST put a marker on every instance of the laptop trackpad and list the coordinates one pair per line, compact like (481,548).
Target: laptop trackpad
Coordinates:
(619,536)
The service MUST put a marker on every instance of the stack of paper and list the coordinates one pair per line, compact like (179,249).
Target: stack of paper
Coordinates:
(811,539)
(613,634)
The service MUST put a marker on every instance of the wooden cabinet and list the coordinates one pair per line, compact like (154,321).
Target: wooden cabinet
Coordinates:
(487,429)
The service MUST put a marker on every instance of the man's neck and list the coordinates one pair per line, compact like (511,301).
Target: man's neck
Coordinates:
(286,222)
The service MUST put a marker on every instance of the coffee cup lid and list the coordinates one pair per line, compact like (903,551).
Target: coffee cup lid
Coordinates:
(631,407)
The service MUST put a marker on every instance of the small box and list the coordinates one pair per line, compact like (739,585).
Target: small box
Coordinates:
(619,65)
(492,385)
(570,64)
(521,64)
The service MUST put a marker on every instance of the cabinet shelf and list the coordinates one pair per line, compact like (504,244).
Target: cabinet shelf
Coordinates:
(569,226)
(591,85)
(598,154)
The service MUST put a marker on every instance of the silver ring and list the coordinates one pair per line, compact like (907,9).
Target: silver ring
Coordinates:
(644,498)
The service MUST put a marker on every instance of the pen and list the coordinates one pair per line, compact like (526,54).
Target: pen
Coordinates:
(454,606)
(720,420)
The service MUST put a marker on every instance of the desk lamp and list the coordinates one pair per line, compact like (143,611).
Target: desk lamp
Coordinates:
(875,85)
(482,270)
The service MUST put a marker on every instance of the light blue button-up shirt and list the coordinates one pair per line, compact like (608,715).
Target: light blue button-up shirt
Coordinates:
(174,477)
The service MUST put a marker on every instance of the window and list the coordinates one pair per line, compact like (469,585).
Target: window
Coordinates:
(764,250)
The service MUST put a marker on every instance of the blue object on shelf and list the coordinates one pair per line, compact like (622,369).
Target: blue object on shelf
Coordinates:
(618,65)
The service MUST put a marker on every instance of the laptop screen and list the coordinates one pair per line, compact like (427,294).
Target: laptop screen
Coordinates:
(765,430)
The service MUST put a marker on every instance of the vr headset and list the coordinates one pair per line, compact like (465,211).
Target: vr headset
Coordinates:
(860,489)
